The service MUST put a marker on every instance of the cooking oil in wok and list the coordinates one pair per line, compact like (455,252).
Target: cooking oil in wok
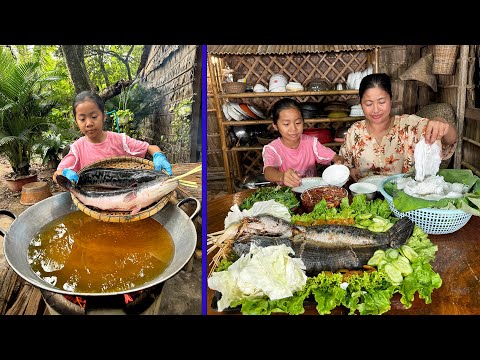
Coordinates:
(81,254)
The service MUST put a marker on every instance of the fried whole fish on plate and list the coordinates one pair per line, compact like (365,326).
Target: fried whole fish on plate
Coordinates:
(321,247)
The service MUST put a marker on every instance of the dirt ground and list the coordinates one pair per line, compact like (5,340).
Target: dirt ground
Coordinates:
(10,200)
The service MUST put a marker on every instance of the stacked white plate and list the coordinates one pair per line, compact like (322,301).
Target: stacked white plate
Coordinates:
(309,182)
(356,110)
(232,111)
(257,111)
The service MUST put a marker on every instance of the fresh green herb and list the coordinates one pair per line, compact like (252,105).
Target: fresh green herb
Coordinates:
(282,194)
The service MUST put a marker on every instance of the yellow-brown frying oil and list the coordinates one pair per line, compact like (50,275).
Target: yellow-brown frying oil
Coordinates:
(81,254)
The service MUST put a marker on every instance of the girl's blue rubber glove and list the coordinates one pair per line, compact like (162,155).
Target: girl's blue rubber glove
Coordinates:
(160,162)
(70,175)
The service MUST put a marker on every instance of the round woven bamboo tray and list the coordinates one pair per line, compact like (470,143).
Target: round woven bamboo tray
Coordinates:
(123,162)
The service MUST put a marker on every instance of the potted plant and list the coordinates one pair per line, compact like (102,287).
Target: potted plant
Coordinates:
(124,116)
(25,102)
(51,145)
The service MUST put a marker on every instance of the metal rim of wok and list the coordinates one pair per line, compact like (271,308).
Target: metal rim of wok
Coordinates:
(124,162)
(22,230)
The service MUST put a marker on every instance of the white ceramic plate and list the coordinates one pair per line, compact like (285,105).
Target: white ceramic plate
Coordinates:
(225,112)
(234,113)
(309,182)
(240,110)
(374,179)
(256,111)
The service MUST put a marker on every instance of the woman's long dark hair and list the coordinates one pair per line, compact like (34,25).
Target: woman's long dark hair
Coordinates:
(380,80)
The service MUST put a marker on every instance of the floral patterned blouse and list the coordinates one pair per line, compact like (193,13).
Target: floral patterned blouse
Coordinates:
(395,154)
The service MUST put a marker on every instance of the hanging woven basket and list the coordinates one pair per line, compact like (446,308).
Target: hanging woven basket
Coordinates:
(444,59)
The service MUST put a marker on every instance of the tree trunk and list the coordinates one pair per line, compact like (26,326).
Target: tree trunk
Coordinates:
(74,58)
(103,71)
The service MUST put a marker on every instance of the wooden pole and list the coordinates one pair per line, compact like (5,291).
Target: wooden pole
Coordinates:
(221,128)
(470,79)
(461,97)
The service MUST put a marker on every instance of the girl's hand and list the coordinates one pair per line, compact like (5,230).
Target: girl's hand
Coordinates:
(436,129)
(339,160)
(160,162)
(70,175)
(291,178)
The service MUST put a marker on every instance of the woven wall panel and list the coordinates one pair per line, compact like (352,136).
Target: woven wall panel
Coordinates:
(471,151)
(302,68)
(283,49)
(172,70)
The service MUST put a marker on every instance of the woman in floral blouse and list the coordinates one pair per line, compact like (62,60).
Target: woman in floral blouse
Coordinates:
(383,144)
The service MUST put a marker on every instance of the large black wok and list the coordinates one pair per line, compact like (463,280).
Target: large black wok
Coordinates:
(28,223)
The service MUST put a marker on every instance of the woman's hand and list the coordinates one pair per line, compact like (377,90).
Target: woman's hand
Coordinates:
(436,129)
(355,174)
(291,178)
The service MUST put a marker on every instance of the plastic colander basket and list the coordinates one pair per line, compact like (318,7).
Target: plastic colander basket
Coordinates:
(431,221)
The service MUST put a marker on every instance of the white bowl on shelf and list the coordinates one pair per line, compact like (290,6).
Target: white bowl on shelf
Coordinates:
(294,86)
(259,88)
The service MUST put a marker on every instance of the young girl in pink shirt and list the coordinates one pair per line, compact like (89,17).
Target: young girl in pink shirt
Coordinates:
(293,155)
(97,144)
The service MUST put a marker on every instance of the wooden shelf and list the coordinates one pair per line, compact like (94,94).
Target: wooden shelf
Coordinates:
(237,159)
(289,93)
(309,121)
(260,147)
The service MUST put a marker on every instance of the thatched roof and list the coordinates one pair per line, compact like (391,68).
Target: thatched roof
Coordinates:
(282,49)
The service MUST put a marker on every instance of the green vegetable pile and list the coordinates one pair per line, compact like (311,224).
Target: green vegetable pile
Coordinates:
(282,194)
(374,215)
(406,270)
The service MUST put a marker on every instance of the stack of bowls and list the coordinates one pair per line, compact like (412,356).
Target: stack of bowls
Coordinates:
(259,88)
(294,86)
(356,110)
(277,83)
(311,110)
(337,109)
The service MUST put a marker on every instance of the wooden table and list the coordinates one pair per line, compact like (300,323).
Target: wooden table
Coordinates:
(187,191)
(457,261)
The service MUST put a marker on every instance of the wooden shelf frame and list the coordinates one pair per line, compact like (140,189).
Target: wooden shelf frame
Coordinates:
(230,153)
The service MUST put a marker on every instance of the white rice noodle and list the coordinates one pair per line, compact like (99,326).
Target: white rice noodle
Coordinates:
(427,159)
(431,188)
